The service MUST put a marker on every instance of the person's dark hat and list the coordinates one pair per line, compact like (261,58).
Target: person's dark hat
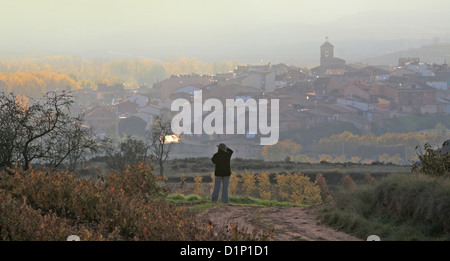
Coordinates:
(222,146)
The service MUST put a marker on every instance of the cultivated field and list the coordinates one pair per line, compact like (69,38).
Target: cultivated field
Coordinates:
(331,171)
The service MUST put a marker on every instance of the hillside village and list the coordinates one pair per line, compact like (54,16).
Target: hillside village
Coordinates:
(334,92)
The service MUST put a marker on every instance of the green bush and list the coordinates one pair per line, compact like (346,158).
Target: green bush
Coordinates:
(433,162)
(423,199)
(398,207)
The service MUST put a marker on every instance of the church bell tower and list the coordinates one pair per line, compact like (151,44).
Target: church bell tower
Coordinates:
(326,51)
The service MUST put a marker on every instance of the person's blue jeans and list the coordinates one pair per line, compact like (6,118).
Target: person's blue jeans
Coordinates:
(218,180)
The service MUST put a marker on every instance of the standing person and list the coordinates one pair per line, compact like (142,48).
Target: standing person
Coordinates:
(222,172)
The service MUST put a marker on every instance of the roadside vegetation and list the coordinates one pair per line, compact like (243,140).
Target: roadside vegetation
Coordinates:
(47,205)
(135,204)
(400,207)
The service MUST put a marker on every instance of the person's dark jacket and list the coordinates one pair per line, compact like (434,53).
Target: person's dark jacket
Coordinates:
(222,161)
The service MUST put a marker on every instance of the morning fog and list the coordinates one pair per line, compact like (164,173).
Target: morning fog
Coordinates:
(186,122)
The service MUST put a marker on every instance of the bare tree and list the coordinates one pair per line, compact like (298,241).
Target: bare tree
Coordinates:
(41,131)
(75,144)
(159,143)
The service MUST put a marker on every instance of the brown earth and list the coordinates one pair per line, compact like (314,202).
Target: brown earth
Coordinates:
(287,223)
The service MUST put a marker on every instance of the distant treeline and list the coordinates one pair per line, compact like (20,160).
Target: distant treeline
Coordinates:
(35,84)
(29,75)
(365,145)
(397,148)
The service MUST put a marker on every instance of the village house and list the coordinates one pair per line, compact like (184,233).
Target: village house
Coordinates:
(84,97)
(404,61)
(223,90)
(169,86)
(263,81)
(107,93)
(329,86)
(138,99)
(242,69)
(443,105)
(438,83)
(356,115)
(246,78)
(125,107)
(321,85)
(414,98)
(365,72)
(132,126)
(385,91)
(153,110)
(382,110)
(421,69)
(357,90)
(102,119)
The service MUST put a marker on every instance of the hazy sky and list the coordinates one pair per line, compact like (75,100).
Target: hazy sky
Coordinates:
(197,12)
(179,26)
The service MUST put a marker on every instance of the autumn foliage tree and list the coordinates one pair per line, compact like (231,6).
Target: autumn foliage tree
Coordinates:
(34,84)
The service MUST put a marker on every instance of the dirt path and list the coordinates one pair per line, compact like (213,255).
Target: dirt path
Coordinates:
(288,223)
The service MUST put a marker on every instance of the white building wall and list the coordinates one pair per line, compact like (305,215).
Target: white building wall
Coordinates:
(358,105)
(260,81)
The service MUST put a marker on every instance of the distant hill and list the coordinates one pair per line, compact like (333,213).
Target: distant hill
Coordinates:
(436,53)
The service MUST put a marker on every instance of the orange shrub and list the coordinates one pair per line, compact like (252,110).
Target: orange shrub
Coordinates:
(264,185)
(369,179)
(20,221)
(348,182)
(325,192)
(283,185)
(298,188)
(181,184)
(198,185)
(211,184)
(303,191)
(51,205)
(248,183)
(234,182)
